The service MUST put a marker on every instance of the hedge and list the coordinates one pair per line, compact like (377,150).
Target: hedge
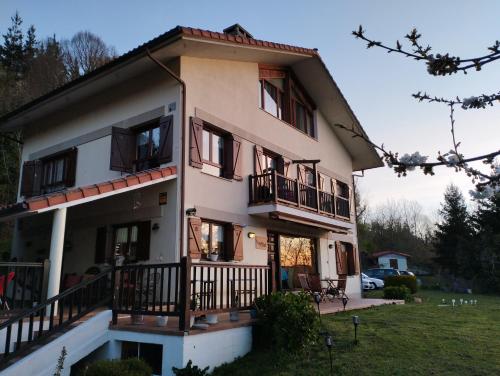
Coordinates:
(397,292)
(409,281)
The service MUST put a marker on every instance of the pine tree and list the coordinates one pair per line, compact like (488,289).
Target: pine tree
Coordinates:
(453,237)
(487,219)
(12,51)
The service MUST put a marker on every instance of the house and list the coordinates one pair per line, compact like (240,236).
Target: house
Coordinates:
(391,259)
(189,176)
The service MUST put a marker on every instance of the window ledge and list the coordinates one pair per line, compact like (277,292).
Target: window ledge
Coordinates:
(217,177)
(289,125)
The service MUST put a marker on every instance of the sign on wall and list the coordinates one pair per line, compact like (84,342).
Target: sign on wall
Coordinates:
(261,242)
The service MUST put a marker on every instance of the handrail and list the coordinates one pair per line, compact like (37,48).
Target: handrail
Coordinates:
(22,263)
(55,298)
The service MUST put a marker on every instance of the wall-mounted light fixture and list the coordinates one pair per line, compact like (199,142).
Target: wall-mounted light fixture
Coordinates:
(156,227)
(251,235)
(191,212)
(330,246)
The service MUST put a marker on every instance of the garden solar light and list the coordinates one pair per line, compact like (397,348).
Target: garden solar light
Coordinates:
(355,321)
(444,301)
(453,302)
(466,302)
(317,299)
(461,301)
(329,345)
(344,301)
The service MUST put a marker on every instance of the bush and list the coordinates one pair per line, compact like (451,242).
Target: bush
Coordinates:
(397,292)
(409,281)
(189,370)
(285,321)
(126,367)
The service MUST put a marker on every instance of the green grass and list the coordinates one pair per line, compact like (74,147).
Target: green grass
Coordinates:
(410,339)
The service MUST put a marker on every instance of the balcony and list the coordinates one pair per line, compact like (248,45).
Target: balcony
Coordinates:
(273,187)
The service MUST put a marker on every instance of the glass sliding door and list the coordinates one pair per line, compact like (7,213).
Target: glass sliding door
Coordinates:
(296,255)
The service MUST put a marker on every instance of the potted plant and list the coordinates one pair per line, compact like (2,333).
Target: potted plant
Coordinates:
(195,303)
(234,313)
(213,256)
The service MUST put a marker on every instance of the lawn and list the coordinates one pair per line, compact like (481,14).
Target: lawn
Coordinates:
(410,339)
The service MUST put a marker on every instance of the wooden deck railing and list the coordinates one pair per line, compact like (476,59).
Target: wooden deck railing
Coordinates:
(40,322)
(275,187)
(24,284)
(185,289)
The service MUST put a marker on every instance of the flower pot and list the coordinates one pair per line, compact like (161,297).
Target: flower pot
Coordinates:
(137,319)
(213,257)
(234,316)
(161,321)
(212,318)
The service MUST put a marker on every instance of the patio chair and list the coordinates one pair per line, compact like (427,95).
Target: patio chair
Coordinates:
(337,290)
(311,284)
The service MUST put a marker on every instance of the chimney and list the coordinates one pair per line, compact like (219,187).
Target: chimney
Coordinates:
(238,31)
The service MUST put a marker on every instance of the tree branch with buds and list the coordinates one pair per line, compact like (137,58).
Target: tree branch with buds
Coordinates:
(486,184)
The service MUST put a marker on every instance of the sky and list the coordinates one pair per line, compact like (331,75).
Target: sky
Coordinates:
(377,85)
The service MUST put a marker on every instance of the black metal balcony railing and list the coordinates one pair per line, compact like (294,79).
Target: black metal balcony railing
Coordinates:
(273,187)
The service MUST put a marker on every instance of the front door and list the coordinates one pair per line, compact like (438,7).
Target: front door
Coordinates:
(273,254)
(393,263)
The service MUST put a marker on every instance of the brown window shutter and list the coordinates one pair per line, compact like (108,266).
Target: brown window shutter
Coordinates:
(286,170)
(194,237)
(351,260)
(100,246)
(122,149)
(143,240)
(234,242)
(258,153)
(31,178)
(280,165)
(196,143)
(356,260)
(70,167)
(233,158)
(340,259)
(301,173)
(165,152)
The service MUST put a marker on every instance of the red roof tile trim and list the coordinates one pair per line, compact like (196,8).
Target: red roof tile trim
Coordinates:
(45,201)
(207,34)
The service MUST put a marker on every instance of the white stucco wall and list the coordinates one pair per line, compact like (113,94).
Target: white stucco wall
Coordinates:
(384,261)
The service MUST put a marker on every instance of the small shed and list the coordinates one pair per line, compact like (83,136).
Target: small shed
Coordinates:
(391,259)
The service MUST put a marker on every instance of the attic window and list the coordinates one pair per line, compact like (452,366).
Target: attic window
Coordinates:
(281,95)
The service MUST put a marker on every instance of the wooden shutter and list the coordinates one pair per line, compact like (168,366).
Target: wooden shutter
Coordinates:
(351,260)
(194,237)
(165,152)
(258,153)
(31,179)
(233,158)
(301,173)
(340,259)
(123,143)
(100,246)
(143,241)
(196,143)
(356,260)
(234,242)
(280,165)
(70,167)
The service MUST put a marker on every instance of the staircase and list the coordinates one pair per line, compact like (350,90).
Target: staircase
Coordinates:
(35,327)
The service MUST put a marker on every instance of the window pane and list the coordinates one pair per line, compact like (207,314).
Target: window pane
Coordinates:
(142,145)
(121,235)
(217,149)
(205,236)
(260,93)
(206,145)
(155,138)
(300,116)
(270,99)
(133,234)
(59,165)
(217,238)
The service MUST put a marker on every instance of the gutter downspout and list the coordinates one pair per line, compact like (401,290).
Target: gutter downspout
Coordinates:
(183,145)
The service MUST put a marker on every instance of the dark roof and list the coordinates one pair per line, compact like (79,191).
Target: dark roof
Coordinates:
(383,253)
(174,33)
